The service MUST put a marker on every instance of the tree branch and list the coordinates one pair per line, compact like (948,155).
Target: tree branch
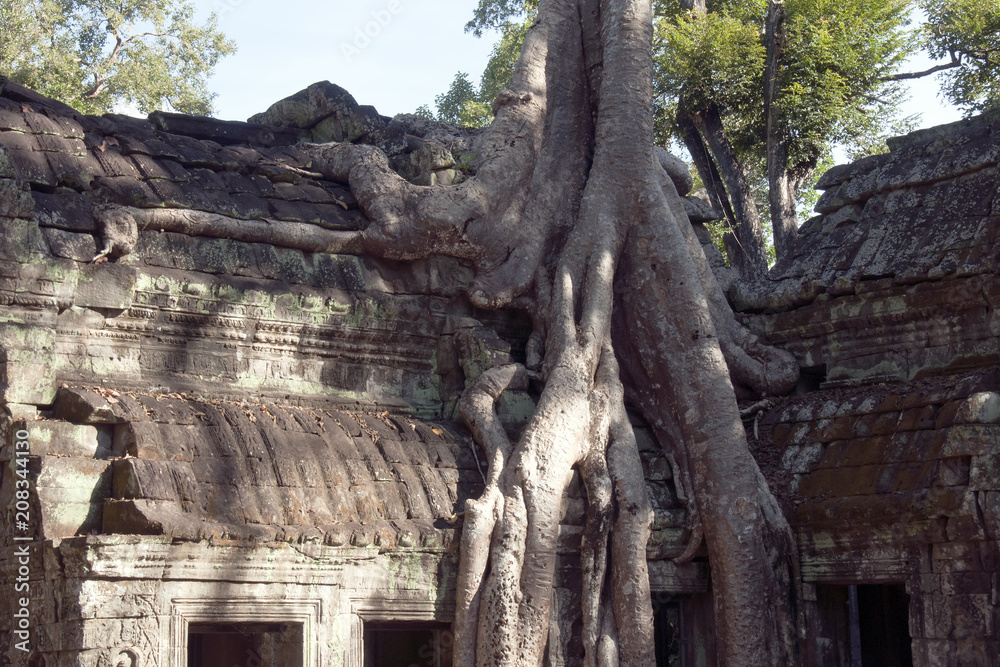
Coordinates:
(956,61)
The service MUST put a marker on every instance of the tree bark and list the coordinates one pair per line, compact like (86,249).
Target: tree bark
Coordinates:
(750,259)
(781,190)
(705,165)
(571,214)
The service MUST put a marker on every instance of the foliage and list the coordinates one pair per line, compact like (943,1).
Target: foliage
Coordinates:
(462,105)
(967,31)
(832,89)
(498,14)
(98,55)
(466,105)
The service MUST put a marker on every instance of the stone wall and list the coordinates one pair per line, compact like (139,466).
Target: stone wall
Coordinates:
(888,460)
(897,276)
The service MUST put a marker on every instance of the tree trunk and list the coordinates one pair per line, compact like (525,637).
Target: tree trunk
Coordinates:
(571,214)
(781,190)
(704,163)
(751,259)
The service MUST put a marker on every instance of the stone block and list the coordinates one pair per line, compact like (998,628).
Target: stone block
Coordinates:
(953,471)
(70,245)
(57,438)
(415,498)
(31,167)
(980,408)
(392,450)
(945,500)
(864,452)
(136,479)
(221,502)
(105,286)
(77,172)
(437,492)
(965,527)
(969,440)
(935,653)
(989,505)
(342,503)
(915,419)
(157,442)
(966,583)
(378,469)
(956,557)
(6,168)
(65,513)
(80,406)
(149,517)
(318,510)
(984,474)
(15,200)
(907,477)
(90,475)
(27,366)
(947,414)
(260,472)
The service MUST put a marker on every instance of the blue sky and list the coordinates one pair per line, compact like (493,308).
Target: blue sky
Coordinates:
(393,54)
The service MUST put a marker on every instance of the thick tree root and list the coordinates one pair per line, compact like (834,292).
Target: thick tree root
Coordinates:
(571,216)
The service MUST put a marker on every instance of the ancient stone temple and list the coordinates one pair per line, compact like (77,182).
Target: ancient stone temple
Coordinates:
(229,438)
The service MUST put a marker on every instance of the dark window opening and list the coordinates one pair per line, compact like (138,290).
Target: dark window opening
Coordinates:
(811,378)
(417,644)
(862,626)
(882,617)
(245,645)
(667,632)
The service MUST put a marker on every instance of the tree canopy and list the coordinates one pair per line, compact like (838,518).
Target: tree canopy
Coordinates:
(761,91)
(967,32)
(99,55)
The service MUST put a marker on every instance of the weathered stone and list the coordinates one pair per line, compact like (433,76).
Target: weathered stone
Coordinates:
(141,479)
(157,442)
(224,132)
(84,475)
(15,200)
(149,517)
(980,408)
(106,286)
(55,438)
(971,440)
(27,372)
(70,245)
(319,101)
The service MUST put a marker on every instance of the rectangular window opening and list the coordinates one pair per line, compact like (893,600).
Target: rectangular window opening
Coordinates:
(408,644)
(865,625)
(883,621)
(245,645)
(667,637)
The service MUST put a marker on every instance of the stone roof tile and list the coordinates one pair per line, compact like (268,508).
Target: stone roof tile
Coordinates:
(31,167)
(11,119)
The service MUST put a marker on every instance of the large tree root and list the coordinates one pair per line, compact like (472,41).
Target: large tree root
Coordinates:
(571,216)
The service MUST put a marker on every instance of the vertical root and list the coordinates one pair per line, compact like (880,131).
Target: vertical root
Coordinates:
(608,649)
(501,598)
(761,368)
(633,522)
(477,407)
(594,556)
